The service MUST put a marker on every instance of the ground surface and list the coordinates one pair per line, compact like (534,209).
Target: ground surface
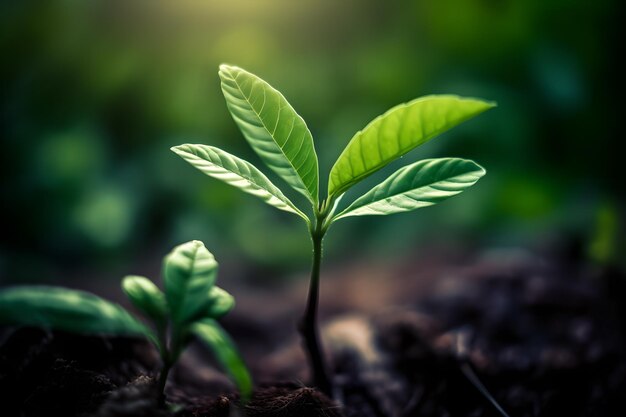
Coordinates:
(544,334)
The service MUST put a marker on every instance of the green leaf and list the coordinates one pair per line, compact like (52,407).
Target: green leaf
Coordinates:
(397,132)
(210,332)
(236,172)
(421,184)
(66,309)
(146,296)
(220,303)
(273,129)
(190,271)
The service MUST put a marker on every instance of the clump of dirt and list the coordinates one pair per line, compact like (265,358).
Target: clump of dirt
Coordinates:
(283,400)
(137,399)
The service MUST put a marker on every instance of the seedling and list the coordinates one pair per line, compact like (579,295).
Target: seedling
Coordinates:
(284,143)
(191,305)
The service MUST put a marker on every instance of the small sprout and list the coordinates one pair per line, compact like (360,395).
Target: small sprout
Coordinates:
(220,303)
(284,143)
(190,306)
(146,297)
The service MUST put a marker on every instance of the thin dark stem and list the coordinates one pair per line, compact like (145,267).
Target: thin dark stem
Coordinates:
(473,378)
(162,380)
(166,358)
(308,325)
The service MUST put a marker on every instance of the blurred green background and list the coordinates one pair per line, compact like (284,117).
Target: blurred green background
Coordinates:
(95,92)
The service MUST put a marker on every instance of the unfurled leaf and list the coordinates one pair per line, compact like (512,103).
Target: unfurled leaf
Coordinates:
(396,132)
(421,184)
(236,172)
(189,272)
(220,303)
(146,296)
(66,309)
(273,129)
(211,333)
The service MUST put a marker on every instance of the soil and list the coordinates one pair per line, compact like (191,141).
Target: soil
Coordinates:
(544,335)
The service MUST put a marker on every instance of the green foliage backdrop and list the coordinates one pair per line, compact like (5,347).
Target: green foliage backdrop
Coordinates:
(95,93)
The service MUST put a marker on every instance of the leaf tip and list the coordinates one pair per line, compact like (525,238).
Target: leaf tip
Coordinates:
(127,281)
(480,171)
(177,149)
(482,105)
(491,104)
(227,69)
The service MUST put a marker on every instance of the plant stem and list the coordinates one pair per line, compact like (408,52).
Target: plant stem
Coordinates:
(162,380)
(166,358)
(473,378)
(308,325)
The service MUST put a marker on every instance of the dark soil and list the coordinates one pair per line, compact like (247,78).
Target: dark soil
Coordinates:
(545,338)
(44,373)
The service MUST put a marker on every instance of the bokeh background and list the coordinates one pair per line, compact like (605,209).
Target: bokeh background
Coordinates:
(94,93)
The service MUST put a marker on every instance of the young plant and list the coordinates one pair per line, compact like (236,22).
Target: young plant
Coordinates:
(284,143)
(191,305)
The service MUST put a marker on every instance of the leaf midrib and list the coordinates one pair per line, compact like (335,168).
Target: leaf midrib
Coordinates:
(193,267)
(410,190)
(258,115)
(250,180)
